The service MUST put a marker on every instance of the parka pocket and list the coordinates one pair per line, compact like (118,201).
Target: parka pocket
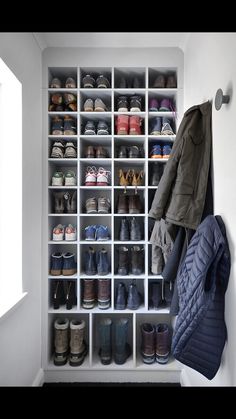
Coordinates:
(180,200)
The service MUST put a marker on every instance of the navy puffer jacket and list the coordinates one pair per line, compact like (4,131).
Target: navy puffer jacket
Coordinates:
(200,332)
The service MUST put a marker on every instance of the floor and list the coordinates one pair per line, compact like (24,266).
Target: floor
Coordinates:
(111,385)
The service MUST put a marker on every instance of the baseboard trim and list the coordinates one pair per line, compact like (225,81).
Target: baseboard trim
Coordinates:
(39,379)
(184,380)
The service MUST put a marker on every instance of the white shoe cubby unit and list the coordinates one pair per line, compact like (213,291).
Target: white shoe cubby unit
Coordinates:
(92,369)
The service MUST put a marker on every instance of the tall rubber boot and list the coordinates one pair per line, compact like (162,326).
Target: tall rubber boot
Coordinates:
(105,351)
(122,348)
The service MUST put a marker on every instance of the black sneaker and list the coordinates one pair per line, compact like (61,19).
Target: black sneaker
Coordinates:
(135,104)
(102,82)
(89,128)
(88,81)
(122,104)
(102,128)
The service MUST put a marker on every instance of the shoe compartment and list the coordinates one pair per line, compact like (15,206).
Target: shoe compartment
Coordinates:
(128,95)
(129,78)
(95,118)
(61,219)
(155,73)
(62,101)
(52,317)
(101,141)
(139,287)
(62,73)
(99,334)
(140,257)
(63,167)
(131,172)
(117,228)
(138,125)
(153,320)
(58,128)
(59,291)
(89,290)
(87,193)
(124,145)
(90,94)
(119,201)
(97,247)
(93,220)
(63,249)
(59,204)
(92,163)
(155,172)
(95,72)
(153,124)
(52,143)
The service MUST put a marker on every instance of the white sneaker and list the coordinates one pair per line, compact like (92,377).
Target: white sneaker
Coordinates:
(70,178)
(70,233)
(57,179)
(58,233)
(102,177)
(70,150)
(91,176)
(57,150)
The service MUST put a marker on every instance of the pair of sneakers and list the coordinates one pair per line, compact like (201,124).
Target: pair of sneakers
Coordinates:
(159,152)
(56,83)
(60,151)
(66,126)
(101,82)
(101,129)
(97,177)
(96,232)
(102,205)
(60,233)
(161,126)
(96,105)
(67,179)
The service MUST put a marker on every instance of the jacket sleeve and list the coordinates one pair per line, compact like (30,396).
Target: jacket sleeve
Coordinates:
(163,191)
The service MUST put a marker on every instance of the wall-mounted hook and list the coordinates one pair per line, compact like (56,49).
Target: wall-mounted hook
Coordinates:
(220,99)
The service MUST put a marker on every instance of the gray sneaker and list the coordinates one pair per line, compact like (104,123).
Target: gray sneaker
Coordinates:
(88,105)
(104,205)
(99,106)
(91,205)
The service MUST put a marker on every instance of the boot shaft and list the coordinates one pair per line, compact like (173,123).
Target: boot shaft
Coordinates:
(90,262)
(105,336)
(135,205)
(123,260)
(120,303)
(124,230)
(61,335)
(123,204)
(77,332)
(148,343)
(88,300)
(133,301)
(102,262)
(137,260)
(135,230)
(104,293)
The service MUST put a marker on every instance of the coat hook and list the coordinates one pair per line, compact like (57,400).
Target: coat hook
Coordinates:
(220,99)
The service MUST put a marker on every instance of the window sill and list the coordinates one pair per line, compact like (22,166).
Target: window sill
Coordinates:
(7,309)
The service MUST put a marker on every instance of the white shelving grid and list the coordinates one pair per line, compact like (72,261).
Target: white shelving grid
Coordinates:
(144,314)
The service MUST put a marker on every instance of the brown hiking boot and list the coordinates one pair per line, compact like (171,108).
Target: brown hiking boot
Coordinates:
(78,346)
(122,206)
(61,331)
(148,343)
(162,343)
(104,293)
(88,300)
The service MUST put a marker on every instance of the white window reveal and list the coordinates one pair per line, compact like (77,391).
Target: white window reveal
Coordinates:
(10,190)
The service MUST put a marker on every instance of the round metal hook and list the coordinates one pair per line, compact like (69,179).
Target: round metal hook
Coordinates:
(220,98)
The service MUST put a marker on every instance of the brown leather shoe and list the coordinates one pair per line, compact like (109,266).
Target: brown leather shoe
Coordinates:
(101,152)
(122,206)
(135,205)
(90,152)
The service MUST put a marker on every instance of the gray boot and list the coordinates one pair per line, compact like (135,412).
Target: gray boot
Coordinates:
(61,334)
(58,202)
(135,230)
(156,174)
(105,351)
(71,202)
(124,230)
(122,348)
(137,260)
(123,261)
(78,346)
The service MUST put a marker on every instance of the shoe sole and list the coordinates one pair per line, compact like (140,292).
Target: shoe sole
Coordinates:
(67,272)
(91,212)
(57,132)
(70,237)
(135,110)
(157,156)
(102,86)
(155,133)
(55,272)
(89,132)
(90,183)
(103,212)
(88,85)
(99,109)
(57,237)
(69,132)
(88,109)
(101,183)
(102,132)
(122,132)
(167,132)
(133,131)
(123,110)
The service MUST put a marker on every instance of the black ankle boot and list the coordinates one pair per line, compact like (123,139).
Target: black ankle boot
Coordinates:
(58,296)
(71,299)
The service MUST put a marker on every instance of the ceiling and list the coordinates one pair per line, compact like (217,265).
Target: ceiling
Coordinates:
(111,39)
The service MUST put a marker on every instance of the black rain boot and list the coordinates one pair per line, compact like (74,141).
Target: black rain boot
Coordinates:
(122,348)
(71,298)
(105,351)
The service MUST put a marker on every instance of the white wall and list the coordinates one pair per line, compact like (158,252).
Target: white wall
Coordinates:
(20,332)
(210,64)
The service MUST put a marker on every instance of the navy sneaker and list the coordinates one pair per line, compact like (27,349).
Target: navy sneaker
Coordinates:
(102,82)
(166,151)
(102,128)
(89,128)
(90,232)
(88,82)
(156,152)
(155,126)
(166,127)
(102,232)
